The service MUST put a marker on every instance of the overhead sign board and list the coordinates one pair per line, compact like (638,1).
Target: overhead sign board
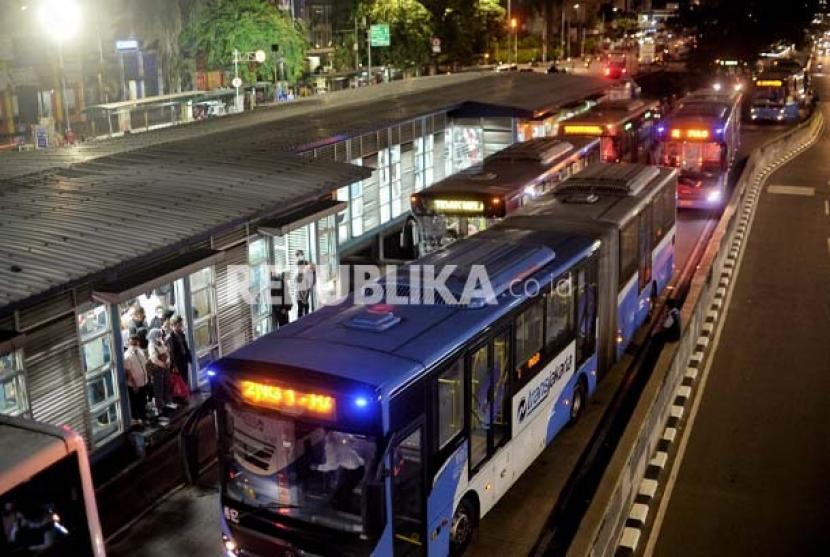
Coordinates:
(379,34)
(127,44)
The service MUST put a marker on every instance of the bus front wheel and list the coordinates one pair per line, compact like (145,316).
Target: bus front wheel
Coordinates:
(464,523)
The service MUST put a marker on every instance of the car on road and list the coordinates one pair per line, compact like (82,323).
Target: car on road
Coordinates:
(615,69)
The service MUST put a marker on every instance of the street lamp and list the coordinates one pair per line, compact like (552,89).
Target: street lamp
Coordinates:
(256,56)
(514,26)
(580,29)
(61,19)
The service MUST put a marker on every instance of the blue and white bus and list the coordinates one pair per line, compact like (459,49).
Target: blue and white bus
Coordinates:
(391,429)
(778,95)
(476,198)
(701,138)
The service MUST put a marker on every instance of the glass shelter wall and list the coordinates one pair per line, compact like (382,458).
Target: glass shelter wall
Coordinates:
(13,399)
(103,398)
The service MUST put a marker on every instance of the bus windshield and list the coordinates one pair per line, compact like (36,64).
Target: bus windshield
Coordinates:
(768,96)
(46,515)
(699,157)
(291,468)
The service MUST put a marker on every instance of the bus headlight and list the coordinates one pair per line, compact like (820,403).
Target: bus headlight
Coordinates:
(230,546)
(713,196)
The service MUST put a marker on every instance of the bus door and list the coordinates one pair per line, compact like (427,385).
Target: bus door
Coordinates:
(408,504)
(489,411)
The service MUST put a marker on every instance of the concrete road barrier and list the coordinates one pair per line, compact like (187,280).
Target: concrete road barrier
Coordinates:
(604,524)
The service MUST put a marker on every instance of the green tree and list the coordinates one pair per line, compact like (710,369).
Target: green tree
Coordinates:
(465,27)
(410,30)
(247,25)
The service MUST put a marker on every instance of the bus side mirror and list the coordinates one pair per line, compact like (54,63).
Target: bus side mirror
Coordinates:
(374,514)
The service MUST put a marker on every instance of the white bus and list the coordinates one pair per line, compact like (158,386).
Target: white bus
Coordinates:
(46,493)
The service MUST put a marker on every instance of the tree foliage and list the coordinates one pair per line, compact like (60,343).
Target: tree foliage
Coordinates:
(247,25)
(463,26)
(410,29)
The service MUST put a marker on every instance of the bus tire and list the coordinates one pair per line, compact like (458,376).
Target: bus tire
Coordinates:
(578,400)
(464,525)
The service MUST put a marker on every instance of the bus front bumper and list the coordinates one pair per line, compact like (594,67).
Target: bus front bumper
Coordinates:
(700,198)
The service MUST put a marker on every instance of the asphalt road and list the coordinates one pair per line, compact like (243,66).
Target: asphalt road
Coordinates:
(754,477)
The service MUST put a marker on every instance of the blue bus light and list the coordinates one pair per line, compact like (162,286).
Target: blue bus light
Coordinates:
(361,401)
(719,131)
(210,373)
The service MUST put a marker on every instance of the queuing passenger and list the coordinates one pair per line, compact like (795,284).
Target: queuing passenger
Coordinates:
(305,283)
(138,326)
(135,366)
(280,300)
(159,369)
(180,356)
(158,319)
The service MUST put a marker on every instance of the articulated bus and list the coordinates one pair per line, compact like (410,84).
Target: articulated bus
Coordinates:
(625,128)
(46,492)
(701,138)
(476,198)
(777,96)
(391,429)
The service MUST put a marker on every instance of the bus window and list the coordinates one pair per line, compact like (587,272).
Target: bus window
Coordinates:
(529,341)
(628,251)
(714,157)
(672,154)
(608,149)
(407,498)
(501,400)
(644,236)
(479,405)
(560,314)
(450,403)
(586,293)
(669,208)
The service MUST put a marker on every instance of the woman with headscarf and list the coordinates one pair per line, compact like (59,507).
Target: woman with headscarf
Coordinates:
(159,368)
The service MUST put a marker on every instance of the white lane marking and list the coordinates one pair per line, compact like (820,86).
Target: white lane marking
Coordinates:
(827,207)
(792,190)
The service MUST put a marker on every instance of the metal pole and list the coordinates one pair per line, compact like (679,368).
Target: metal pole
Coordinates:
(516,45)
(356,45)
(63,88)
(582,25)
(369,50)
(236,76)
(102,94)
(562,34)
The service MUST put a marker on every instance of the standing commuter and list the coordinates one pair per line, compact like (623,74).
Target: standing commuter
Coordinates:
(180,355)
(135,366)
